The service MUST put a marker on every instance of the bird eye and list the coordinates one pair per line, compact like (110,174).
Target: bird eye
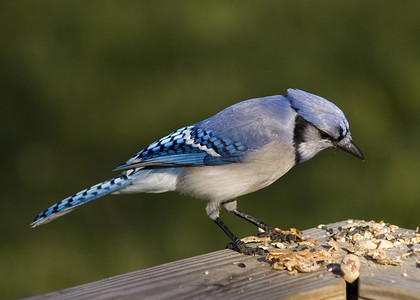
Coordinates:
(324,135)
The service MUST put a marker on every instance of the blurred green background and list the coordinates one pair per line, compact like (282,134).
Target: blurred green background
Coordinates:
(85,85)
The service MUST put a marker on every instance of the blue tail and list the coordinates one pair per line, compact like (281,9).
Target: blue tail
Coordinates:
(82,197)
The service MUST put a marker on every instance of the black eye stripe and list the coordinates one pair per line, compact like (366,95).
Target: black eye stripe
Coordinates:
(325,135)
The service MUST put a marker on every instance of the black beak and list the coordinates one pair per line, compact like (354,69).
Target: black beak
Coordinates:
(351,148)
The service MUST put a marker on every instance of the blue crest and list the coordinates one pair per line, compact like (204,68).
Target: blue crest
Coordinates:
(321,113)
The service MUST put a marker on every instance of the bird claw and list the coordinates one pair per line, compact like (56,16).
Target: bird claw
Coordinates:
(241,247)
(280,237)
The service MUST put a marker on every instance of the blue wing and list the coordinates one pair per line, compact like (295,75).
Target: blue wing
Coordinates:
(188,146)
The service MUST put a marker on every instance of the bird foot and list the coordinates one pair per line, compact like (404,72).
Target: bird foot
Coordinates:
(279,237)
(241,247)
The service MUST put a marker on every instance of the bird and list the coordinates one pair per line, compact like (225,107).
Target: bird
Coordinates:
(242,149)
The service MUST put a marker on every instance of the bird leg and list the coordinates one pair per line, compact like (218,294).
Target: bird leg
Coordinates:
(268,230)
(237,244)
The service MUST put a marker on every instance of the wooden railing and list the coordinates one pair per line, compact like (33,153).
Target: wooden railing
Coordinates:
(226,274)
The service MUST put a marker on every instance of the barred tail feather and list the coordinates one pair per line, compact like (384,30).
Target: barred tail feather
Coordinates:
(82,197)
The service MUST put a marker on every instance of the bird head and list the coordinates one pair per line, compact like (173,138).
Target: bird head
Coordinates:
(319,125)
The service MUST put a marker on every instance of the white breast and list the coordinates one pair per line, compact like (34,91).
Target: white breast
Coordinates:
(220,183)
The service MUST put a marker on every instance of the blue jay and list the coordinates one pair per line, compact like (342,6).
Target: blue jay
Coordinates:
(242,149)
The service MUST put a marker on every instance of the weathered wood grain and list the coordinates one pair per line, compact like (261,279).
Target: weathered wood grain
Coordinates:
(390,282)
(223,274)
(218,275)
(226,274)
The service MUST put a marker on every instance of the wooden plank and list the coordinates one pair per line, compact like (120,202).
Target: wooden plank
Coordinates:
(217,275)
(391,282)
(223,274)
(227,274)
(379,281)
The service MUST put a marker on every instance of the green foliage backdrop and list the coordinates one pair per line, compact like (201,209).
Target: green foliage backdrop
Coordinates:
(86,84)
